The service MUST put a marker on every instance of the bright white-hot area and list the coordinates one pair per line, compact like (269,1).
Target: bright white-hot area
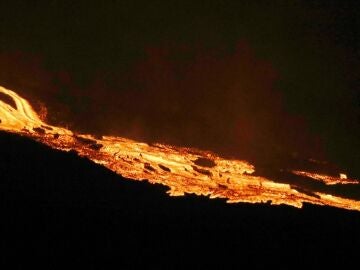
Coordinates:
(182,170)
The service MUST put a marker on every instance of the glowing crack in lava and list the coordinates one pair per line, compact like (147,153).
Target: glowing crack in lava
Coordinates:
(183,170)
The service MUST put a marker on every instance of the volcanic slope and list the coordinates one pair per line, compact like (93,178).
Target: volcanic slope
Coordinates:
(58,208)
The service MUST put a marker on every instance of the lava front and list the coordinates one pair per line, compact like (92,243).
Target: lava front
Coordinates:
(183,170)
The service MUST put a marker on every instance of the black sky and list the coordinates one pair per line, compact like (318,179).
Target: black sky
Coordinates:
(104,62)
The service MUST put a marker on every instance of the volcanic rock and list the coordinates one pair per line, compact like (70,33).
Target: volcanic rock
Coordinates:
(205,162)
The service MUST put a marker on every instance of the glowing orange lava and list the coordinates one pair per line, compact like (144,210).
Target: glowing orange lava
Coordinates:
(326,179)
(183,170)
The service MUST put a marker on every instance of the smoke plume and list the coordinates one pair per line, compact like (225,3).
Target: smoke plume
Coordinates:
(211,98)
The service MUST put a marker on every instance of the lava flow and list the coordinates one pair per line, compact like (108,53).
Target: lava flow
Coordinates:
(183,170)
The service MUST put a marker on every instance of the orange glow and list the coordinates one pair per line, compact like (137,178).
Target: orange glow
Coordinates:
(183,170)
(327,179)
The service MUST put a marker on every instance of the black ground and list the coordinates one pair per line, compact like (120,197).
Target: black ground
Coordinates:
(58,209)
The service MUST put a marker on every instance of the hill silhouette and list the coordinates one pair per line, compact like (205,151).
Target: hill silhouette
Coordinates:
(58,208)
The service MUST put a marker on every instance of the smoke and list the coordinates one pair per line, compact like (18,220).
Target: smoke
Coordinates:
(211,98)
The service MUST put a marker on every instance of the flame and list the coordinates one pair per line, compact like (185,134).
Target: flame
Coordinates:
(183,170)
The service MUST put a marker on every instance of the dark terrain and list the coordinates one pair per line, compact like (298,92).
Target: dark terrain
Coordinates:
(58,209)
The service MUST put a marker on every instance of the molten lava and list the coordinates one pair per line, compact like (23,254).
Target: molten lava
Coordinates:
(183,170)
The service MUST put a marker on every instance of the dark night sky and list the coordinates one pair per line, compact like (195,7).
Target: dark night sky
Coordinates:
(232,76)
(251,79)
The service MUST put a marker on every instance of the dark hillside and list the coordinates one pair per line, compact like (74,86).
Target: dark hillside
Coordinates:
(58,209)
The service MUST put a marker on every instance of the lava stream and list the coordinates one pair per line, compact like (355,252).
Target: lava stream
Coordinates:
(183,170)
